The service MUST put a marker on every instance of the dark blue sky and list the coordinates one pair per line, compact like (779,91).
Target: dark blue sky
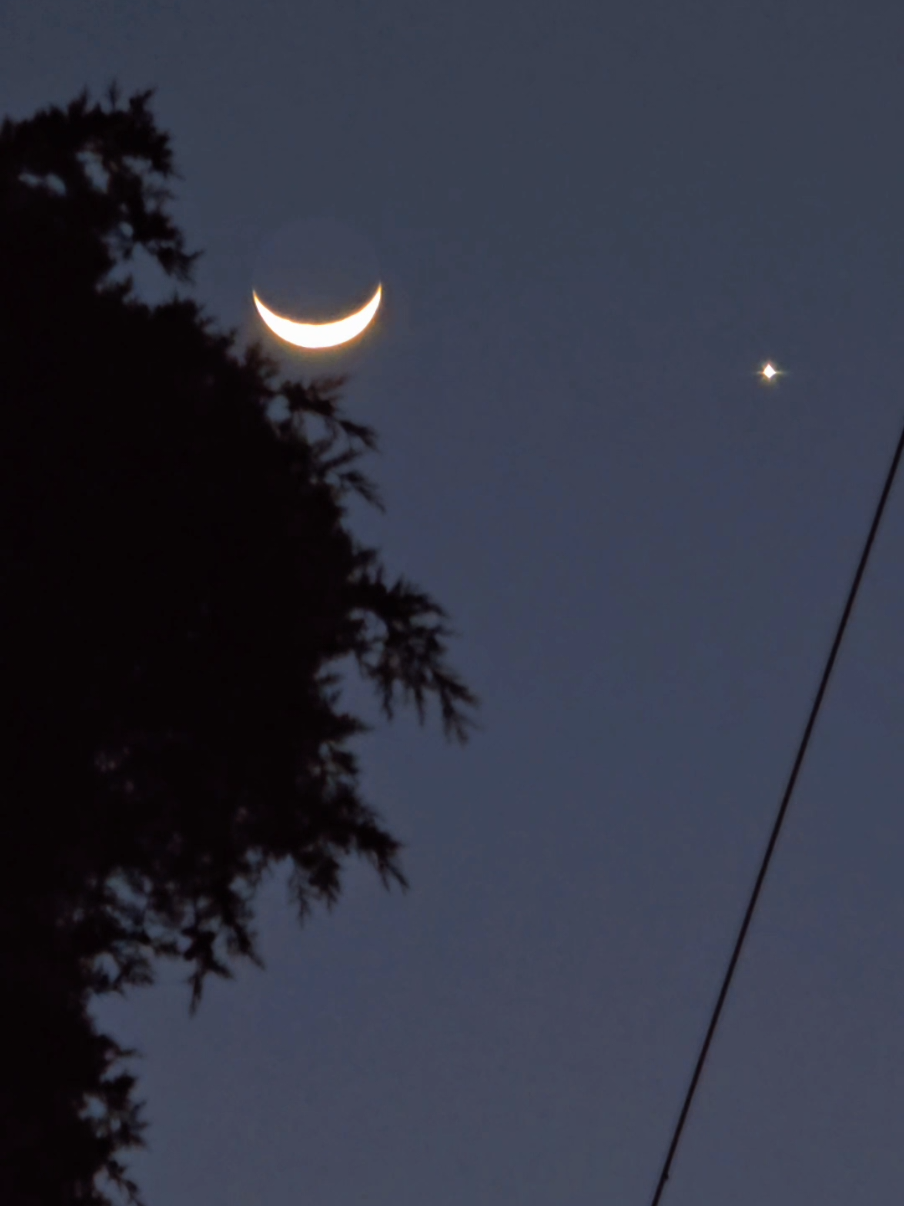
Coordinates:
(593,222)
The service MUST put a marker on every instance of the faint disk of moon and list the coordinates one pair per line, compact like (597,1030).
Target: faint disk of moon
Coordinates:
(320,334)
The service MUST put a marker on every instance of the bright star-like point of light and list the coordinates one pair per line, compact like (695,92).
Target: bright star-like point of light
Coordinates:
(769,372)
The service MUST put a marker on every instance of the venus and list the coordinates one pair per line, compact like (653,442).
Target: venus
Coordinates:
(320,334)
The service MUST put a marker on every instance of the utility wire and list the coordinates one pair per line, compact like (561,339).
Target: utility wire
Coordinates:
(776,829)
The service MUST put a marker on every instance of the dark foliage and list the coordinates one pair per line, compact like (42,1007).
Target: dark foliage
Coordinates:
(176,579)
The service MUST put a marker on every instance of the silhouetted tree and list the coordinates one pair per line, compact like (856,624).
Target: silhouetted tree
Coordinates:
(176,580)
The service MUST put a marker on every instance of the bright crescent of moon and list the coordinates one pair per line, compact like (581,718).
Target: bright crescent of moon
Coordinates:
(319,334)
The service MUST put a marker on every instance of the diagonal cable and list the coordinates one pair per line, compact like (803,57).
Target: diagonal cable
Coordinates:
(776,829)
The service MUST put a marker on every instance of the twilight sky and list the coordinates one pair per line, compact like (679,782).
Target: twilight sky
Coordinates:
(593,223)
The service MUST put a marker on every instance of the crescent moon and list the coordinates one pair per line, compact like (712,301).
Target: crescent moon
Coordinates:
(320,334)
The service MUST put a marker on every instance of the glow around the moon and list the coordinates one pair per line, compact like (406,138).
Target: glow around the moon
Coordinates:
(320,334)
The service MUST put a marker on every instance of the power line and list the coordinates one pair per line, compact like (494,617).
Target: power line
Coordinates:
(776,828)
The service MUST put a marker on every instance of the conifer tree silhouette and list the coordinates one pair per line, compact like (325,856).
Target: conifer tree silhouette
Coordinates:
(177,579)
